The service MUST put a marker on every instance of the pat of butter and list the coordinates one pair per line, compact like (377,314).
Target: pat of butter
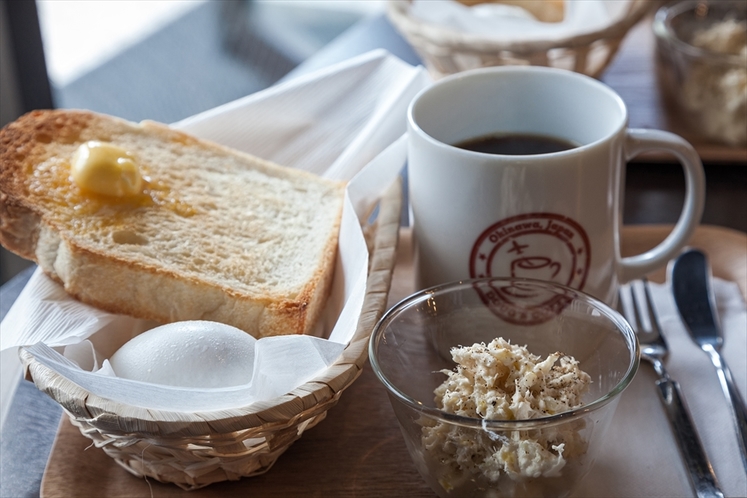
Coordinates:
(106,169)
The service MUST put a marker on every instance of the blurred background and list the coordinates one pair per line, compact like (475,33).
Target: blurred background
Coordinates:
(158,59)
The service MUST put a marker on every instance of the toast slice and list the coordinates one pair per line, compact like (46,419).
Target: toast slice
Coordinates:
(542,10)
(211,234)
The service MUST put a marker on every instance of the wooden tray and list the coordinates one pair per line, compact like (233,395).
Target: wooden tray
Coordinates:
(358,450)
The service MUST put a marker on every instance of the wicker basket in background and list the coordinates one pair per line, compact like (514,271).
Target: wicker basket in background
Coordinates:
(446,51)
(193,450)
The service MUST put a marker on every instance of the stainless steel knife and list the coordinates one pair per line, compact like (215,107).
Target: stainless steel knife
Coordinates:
(691,285)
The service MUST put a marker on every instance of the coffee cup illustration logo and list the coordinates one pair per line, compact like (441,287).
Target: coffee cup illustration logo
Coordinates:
(538,267)
(542,246)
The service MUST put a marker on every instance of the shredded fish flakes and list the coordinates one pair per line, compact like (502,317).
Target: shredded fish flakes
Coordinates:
(502,381)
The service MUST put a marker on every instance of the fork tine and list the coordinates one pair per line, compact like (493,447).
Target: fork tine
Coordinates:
(621,301)
(625,300)
(638,306)
(652,318)
(635,301)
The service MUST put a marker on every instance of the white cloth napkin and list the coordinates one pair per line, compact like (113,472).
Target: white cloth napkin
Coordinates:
(639,457)
(345,122)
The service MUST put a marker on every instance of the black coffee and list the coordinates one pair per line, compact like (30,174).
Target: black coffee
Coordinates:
(516,144)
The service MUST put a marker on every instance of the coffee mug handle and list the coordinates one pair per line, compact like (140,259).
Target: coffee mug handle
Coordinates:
(639,141)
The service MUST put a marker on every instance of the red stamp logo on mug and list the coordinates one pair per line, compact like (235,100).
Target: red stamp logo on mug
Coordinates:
(542,246)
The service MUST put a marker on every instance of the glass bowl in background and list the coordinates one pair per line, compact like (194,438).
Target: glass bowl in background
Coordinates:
(702,66)
(411,344)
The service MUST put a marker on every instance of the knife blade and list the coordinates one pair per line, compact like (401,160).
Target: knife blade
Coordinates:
(693,295)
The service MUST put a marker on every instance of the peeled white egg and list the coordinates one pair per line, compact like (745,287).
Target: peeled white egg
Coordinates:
(187,354)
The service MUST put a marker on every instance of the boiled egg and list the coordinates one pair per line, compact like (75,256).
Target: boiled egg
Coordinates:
(197,353)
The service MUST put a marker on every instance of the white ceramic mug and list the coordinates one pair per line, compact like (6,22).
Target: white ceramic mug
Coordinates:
(554,216)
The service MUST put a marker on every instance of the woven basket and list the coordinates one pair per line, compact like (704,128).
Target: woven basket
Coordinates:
(446,51)
(193,450)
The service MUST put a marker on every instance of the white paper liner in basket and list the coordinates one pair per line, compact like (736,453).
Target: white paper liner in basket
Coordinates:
(194,449)
(446,49)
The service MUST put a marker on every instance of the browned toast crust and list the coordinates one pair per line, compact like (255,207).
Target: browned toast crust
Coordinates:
(21,145)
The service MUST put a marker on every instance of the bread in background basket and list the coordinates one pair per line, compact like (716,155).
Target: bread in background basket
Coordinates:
(187,230)
(450,38)
(542,10)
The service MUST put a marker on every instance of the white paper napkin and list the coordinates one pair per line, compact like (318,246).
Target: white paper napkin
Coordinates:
(342,121)
(639,457)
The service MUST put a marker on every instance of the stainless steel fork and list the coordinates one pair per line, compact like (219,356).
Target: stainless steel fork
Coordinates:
(654,349)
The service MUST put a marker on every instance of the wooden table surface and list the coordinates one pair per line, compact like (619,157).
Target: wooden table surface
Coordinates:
(358,449)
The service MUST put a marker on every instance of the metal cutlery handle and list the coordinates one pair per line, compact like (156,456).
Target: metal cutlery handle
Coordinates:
(691,448)
(691,286)
(738,411)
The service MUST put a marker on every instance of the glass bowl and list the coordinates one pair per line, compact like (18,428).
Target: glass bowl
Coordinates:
(473,456)
(702,67)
